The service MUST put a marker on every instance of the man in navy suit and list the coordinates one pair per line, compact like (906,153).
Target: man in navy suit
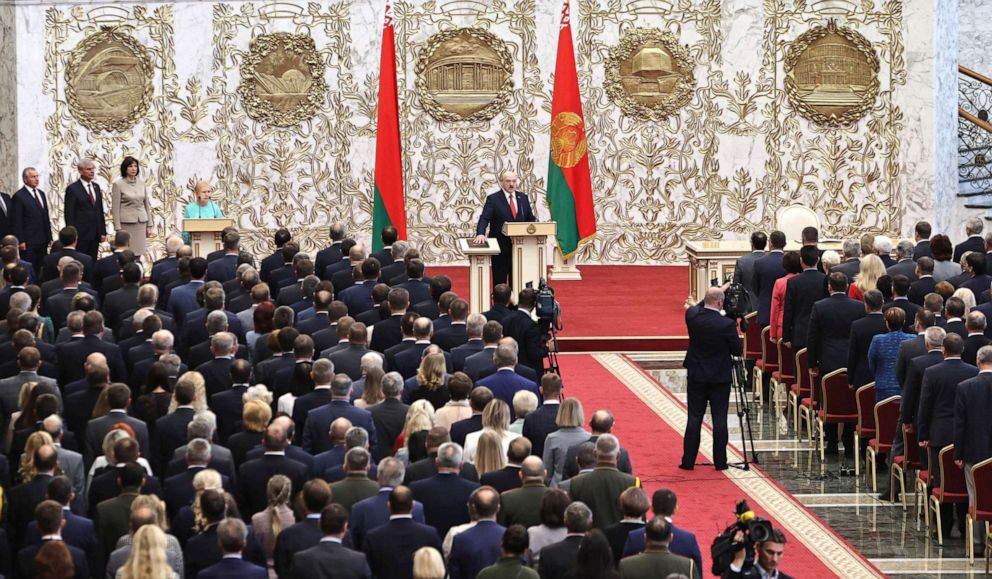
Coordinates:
(232,534)
(369,514)
(664,503)
(315,438)
(921,235)
(445,494)
(225,267)
(390,547)
(543,421)
(48,515)
(182,299)
(78,531)
(478,547)
(973,229)
(767,270)
(30,220)
(801,292)
(972,429)
(505,205)
(329,557)
(713,340)
(84,209)
(505,382)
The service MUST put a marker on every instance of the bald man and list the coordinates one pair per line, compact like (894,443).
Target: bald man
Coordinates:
(713,340)
(505,205)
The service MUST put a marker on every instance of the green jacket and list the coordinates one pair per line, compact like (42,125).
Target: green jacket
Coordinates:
(655,562)
(600,490)
(355,487)
(522,506)
(508,568)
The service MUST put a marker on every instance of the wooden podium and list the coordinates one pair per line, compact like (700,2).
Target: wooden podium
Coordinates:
(480,274)
(205,234)
(530,251)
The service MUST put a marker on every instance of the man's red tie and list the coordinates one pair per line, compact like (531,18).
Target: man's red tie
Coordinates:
(513,207)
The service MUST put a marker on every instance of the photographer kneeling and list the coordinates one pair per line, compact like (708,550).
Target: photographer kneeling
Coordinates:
(770,553)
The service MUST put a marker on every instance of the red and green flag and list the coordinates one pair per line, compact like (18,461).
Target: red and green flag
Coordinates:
(388,207)
(569,184)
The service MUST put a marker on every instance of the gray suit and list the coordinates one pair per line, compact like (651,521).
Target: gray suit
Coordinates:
(348,360)
(906,267)
(850,268)
(744,274)
(98,428)
(247,319)
(72,465)
(10,392)
(217,452)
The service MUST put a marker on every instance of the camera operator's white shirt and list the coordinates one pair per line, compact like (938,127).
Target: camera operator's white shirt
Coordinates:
(761,571)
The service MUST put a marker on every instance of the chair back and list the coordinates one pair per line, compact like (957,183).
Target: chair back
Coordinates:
(951,477)
(981,477)
(769,351)
(787,362)
(793,218)
(752,337)
(866,406)
(802,372)
(911,449)
(838,398)
(886,420)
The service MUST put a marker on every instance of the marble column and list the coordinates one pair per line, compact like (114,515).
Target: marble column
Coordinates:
(8,99)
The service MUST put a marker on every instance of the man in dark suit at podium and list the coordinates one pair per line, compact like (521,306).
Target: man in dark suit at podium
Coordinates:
(30,220)
(84,209)
(505,205)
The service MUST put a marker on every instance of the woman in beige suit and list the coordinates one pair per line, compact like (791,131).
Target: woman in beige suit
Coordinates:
(131,206)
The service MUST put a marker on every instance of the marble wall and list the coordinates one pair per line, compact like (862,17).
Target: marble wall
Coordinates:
(720,168)
(975,36)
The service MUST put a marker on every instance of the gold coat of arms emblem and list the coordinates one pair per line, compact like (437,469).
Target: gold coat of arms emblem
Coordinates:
(649,75)
(282,79)
(568,141)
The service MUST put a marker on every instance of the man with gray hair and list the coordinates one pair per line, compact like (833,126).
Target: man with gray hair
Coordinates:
(166,266)
(217,372)
(973,229)
(315,439)
(559,559)
(972,428)
(445,495)
(975,322)
(373,512)
(904,264)
(851,265)
(473,341)
(203,425)
(232,535)
(601,488)
(83,205)
(355,437)
(197,354)
(356,485)
(389,415)
(178,490)
(882,247)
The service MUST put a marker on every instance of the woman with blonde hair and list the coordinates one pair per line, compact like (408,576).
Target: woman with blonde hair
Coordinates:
(524,402)
(428,564)
(411,444)
(431,381)
(967,296)
(189,521)
(147,559)
(201,207)
(27,470)
(371,388)
(199,387)
(255,417)
(489,453)
(495,419)
(872,268)
(570,433)
(276,517)
(117,432)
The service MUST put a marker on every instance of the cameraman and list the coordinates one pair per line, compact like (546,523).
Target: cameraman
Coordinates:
(713,340)
(766,567)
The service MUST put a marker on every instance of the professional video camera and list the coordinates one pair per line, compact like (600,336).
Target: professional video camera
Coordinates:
(736,301)
(548,312)
(755,530)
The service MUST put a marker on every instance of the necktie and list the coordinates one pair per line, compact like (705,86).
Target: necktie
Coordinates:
(89,189)
(37,197)
(513,206)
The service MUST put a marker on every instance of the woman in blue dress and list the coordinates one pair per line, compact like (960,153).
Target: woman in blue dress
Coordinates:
(202,207)
(884,352)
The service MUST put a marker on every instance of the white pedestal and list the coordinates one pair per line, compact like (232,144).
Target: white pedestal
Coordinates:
(479,272)
(530,252)
(565,269)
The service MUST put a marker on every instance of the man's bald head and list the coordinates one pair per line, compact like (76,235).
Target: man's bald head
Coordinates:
(96,358)
(714,297)
(532,468)
(338,429)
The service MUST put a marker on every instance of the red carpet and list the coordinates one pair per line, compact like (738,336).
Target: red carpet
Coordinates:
(706,497)
(614,308)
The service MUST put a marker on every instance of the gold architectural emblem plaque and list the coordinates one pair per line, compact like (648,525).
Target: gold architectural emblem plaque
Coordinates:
(282,79)
(649,74)
(568,141)
(465,74)
(108,81)
(831,75)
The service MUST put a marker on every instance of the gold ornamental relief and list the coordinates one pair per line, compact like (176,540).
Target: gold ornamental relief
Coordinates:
(568,140)
(649,75)
(465,74)
(109,81)
(831,75)
(282,79)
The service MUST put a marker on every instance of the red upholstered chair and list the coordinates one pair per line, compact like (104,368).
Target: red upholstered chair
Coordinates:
(952,488)
(839,404)
(784,376)
(752,337)
(767,363)
(981,510)
(866,421)
(809,404)
(922,490)
(800,388)
(886,420)
(907,462)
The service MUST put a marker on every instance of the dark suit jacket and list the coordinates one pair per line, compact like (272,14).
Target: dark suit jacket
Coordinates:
(296,538)
(26,560)
(388,417)
(387,334)
(526,332)
(407,361)
(683,543)
(451,337)
(230,568)
(6,223)
(329,559)
(922,249)
(906,267)
(20,504)
(325,257)
(505,384)
(972,428)
(170,432)
(304,404)
(830,331)
(539,424)
(908,308)
(957,327)
(104,486)
(106,267)
(862,331)
(443,496)
(85,216)
(349,360)
(913,384)
(496,212)
(504,479)
(318,322)
(475,549)
(559,560)
(480,365)
(459,430)
(617,536)
(58,305)
(216,374)
(254,475)
(713,340)
(224,268)
(374,316)
(78,532)
(358,297)
(460,353)
(767,270)
(971,346)
(390,548)
(419,289)
(31,223)
(973,243)
(98,428)
(72,355)
(427,467)
(49,267)
(851,268)
(801,292)
(203,550)
(935,421)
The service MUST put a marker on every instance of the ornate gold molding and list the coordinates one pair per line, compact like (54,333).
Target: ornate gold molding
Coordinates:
(831,75)
(465,74)
(282,79)
(109,81)
(649,74)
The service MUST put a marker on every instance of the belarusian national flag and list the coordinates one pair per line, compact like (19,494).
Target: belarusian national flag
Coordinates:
(388,207)
(569,184)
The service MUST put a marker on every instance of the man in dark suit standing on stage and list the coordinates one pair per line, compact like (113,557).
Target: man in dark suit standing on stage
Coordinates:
(766,271)
(84,209)
(744,268)
(507,204)
(921,234)
(31,222)
(801,292)
(713,340)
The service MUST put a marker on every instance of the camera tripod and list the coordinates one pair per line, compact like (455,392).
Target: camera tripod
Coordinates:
(738,383)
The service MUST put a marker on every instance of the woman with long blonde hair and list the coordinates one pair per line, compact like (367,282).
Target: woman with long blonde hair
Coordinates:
(147,559)
(428,564)
(411,444)
(872,268)
(489,453)
(372,388)
(276,517)
(432,381)
(495,419)
(27,470)
(199,386)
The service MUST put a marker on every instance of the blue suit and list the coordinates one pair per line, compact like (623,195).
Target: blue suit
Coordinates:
(223,268)
(233,568)
(369,514)
(506,383)
(495,213)
(390,548)
(683,543)
(358,297)
(182,300)
(539,424)
(475,549)
(767,270)
(78,532)
(315,438)
(445,497)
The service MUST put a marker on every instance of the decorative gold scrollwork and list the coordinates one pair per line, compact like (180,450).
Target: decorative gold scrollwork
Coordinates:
(282,79)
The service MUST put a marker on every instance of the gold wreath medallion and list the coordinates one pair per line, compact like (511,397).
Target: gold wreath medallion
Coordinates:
(649,74)
(568,139)
(282,79)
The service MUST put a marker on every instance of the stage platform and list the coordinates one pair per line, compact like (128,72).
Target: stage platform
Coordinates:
(614,308)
